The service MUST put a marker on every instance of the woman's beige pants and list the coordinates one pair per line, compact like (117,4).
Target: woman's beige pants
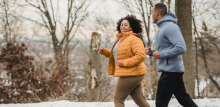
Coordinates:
(130,86)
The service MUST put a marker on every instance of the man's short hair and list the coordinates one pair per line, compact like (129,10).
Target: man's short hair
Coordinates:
(162,8)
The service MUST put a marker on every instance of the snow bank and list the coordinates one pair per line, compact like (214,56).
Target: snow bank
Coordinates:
(173,103)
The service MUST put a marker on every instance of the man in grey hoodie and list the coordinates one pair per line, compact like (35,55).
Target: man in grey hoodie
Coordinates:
(170,46)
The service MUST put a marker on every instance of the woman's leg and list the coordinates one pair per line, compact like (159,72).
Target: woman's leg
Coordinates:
(125,86)
(137,96)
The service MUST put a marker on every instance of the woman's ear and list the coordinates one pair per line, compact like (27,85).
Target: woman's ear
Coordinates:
(130,28)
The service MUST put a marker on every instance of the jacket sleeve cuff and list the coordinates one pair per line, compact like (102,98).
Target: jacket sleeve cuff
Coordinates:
(104,52)
(152,51)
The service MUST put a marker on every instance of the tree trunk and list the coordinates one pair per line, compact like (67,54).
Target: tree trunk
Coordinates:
(215,83)
(197,74)
(169,2)
(95,66)
(183,12)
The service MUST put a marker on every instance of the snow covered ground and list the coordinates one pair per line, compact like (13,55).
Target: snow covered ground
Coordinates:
(173,103)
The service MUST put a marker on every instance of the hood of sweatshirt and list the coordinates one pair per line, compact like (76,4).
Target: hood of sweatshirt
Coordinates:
(168,17)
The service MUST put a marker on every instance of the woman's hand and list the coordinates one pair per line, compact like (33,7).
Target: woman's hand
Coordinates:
(101,50)
(119,62)
(148,51)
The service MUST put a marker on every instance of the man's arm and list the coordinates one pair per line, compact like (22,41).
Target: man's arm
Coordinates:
(152,51)
(174,35)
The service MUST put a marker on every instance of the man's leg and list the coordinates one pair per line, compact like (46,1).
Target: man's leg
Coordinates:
(182,96)
(166,86)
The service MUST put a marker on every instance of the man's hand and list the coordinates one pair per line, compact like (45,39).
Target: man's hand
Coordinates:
(148,51)
(119,62)
(156,54)
(101,50)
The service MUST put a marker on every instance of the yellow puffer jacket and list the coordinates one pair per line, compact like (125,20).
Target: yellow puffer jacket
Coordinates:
(132,53)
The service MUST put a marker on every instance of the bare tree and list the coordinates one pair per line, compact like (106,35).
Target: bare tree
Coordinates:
(203,52)
(50,19)
(206,40)
(106,27)
(197,74)
(11,21)
(95,65)
(169,3)
(183,12)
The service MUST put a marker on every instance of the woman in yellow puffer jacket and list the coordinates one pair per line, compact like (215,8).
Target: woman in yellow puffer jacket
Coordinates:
(126,61)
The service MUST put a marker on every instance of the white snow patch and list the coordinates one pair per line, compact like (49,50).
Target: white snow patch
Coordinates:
(16,93)
(38,89)
(7,83)
(29,91)
(215,102)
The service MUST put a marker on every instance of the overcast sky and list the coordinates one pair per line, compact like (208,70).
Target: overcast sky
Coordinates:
(107,8)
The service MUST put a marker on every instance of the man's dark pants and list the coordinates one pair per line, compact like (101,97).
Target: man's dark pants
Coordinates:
(172,83)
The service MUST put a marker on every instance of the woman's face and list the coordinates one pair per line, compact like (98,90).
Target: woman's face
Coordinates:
(125,26)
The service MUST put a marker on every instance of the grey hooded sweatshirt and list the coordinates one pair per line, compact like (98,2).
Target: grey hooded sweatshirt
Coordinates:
(170,43)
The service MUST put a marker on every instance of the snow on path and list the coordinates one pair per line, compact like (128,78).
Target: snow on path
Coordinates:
(63,103)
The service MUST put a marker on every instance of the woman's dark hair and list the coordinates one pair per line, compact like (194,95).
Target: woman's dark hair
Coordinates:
(135,23)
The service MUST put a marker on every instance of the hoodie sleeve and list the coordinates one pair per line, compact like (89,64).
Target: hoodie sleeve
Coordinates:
(174,35)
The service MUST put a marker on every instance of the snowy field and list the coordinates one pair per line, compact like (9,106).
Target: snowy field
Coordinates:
(173,103)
